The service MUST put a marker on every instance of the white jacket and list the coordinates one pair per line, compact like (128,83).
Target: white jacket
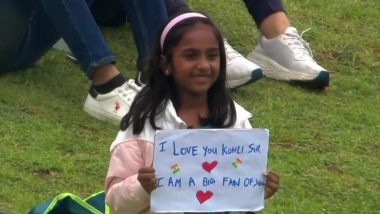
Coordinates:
(130,152)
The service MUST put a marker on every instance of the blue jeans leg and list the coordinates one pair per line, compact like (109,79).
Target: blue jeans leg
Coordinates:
(71,20)
(146,18)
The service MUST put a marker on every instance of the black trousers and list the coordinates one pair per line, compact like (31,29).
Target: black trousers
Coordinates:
(259,9)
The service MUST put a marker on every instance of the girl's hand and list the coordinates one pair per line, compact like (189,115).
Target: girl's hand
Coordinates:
(272,183)
(147,179)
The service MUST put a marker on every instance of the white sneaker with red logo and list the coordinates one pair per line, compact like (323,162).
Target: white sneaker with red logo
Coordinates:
(112,107)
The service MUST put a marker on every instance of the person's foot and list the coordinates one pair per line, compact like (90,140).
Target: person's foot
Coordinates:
(111,107)
(62,46)
(240,71)
(288,57)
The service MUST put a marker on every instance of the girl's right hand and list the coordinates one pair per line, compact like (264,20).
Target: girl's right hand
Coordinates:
(147,179)
(272,183)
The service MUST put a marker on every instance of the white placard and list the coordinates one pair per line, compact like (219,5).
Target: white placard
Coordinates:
(209,170)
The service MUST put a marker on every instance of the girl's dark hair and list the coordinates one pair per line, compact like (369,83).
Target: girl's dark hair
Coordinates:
(153,97)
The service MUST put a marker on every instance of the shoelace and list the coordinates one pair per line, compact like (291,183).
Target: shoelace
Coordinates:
(128,90)
(300,46)
(230,52)
(138,78)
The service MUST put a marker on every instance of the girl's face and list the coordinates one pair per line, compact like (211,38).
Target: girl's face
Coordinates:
(195,62)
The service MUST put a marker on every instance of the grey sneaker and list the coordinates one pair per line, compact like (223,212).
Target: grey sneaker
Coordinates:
(114,105)
(62,46)
(288,57)
(240,71)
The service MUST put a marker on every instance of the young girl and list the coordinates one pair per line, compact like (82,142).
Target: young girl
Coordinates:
(186,89)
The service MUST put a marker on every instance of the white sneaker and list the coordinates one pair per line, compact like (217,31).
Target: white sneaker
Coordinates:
(114,105)
(240,71)
(288,57)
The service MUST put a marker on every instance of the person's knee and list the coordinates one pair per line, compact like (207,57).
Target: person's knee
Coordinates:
(14,19)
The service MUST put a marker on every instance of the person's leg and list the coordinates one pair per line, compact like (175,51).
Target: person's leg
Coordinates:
(14,20)
(72,20)
(274,25)
(108,13)
(146,18)
(67,18)
(282,52)
(109,96)
(267,15)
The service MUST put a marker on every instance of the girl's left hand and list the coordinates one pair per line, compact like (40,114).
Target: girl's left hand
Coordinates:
(272,183)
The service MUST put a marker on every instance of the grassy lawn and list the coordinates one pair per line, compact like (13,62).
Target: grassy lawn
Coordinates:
(324,144)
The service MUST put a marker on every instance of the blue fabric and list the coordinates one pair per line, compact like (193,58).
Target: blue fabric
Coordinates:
(146,18)
(176,6)
(40,209)
(48,20)
(261,9)
(98,201)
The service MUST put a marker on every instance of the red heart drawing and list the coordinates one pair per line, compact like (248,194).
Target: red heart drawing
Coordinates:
(209,166)
(202,197)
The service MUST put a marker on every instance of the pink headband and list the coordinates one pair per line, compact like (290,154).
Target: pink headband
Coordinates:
(175,21)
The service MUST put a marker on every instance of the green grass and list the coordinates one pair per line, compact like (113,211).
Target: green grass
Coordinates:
(325,145)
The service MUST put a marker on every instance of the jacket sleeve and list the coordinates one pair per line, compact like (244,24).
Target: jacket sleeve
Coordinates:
(242,118)
(124,193)
(243,124)
(246,124)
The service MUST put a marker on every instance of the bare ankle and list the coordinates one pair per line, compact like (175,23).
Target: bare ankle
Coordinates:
(104,73)
(274,25)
